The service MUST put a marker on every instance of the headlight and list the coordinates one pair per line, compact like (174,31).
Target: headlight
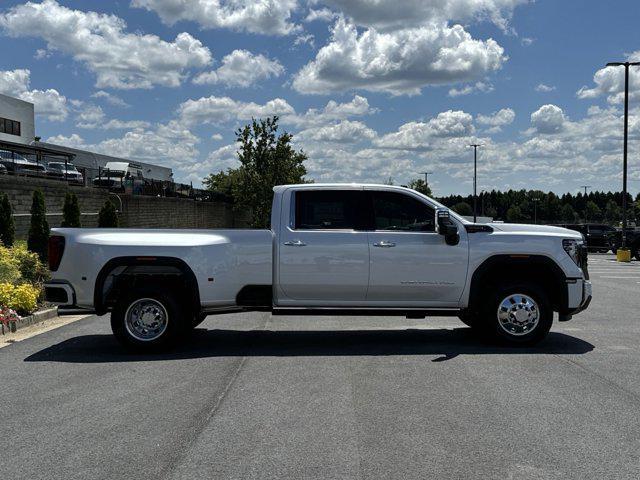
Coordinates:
(571,247)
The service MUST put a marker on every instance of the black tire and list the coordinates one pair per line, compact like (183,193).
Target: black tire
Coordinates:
(493,327)
(174,328)
(636,254)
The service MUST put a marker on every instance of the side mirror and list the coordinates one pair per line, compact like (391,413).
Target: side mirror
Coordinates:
(447,228)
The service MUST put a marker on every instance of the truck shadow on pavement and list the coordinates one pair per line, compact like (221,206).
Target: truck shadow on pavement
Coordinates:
(446,343)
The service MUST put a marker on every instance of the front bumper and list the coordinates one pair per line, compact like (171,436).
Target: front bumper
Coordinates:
(579,294)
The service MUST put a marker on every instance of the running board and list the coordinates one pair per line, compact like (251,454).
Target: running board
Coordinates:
(378,312)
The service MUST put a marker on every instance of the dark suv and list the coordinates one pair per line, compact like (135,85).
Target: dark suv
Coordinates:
(599,237)
(633,241)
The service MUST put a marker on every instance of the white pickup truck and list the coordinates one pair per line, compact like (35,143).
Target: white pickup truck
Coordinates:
(332,249)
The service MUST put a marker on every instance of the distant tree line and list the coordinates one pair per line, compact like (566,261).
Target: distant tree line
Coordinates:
(526,206)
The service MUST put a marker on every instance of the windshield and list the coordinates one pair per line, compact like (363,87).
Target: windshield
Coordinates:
(113,173)
(6,155)
(60,166)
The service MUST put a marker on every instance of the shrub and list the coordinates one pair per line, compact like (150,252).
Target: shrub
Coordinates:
(39,230)
(71,211)
(9,266)
(17,264)
(32,269)
(22,298)
(7,227)
(108,217)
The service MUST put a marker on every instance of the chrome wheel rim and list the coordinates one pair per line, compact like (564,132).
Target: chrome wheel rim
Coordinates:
(146,319)
(518,314)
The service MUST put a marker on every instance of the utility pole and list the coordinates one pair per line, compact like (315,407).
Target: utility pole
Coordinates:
(426,178)
(475,179)
(626,135)
(586,219)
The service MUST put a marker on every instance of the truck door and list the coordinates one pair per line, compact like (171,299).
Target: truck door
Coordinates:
(411,265)
(323,252)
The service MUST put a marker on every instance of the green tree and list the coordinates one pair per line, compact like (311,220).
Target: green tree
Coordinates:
(70,211)
(612,212)
(463,208)
(567,213)
(108,216)
(7,227)
(592,212)
(38,239)
(223,182)
(419,186)
(515,215)
(266,160)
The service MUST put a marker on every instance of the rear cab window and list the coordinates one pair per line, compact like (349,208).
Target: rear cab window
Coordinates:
(329,210)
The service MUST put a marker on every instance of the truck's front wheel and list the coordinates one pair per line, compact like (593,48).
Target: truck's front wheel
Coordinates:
(147,320)
(518,314)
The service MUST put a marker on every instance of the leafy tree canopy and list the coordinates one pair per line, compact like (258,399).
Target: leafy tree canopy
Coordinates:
(266,160)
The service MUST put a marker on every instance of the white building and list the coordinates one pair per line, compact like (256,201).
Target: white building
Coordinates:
(17,126)
(17,123)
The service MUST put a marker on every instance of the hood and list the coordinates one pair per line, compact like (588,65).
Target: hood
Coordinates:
(528,228)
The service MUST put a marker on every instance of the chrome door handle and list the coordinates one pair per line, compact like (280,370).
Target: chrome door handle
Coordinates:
(295,243)
(384,244)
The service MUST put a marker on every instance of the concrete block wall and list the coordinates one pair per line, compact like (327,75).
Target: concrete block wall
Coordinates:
(159,212)
(135,211)
(20,191)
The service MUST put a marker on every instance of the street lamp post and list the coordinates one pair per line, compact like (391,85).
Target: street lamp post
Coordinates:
(626,66)
(475,179)
(586,219)
(426,179)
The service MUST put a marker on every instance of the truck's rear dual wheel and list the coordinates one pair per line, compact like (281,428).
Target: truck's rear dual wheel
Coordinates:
(517,314)
(148,320)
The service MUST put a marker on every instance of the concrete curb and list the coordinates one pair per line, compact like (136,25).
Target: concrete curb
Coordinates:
(36,317)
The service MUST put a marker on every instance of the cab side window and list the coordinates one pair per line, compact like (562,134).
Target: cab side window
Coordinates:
(398,212)
(327,209)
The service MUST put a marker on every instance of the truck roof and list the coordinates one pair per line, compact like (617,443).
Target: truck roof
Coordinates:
(280,188)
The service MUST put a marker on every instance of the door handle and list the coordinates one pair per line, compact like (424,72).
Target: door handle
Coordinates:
(384,244)
(295,243)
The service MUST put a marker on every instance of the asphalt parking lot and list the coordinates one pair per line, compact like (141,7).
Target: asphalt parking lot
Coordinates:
(255,397)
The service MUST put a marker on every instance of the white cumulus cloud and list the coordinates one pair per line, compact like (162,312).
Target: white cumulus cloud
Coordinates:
(49,104)
(502,117)
(422,135)
(543,88)
(119,59)
(241,68)
(548,119)
(609,82)
(399,62)
(346,131)
(391,14)
(207,110)
(270,17)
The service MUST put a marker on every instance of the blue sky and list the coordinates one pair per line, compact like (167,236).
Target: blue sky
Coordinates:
(369,90)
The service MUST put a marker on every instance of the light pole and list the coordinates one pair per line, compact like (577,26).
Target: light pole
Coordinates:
(535,209)
(626,135)
(426,179)
(475,179)
(586,220)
